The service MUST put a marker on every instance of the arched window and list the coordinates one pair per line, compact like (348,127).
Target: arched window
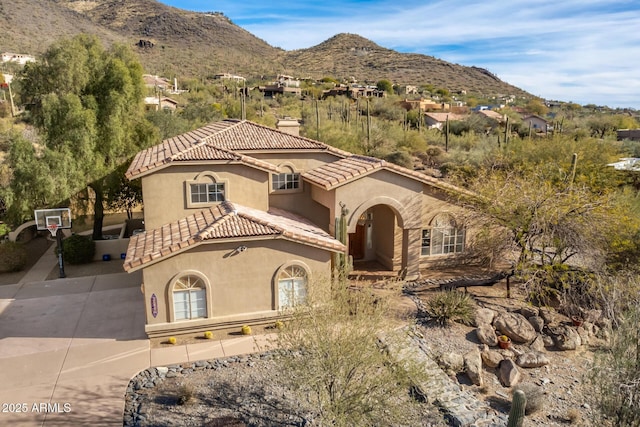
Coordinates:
(443,237)
(289,180)
(292,286)
(189,298)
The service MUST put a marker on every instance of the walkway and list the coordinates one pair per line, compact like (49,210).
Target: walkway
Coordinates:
(68,348)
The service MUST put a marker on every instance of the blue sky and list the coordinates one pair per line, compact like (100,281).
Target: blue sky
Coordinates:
(584,51)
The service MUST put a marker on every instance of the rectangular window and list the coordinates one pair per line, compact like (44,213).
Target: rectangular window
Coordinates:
(285,181)
(440,241)
(426,242)
(205,193)
(191,304)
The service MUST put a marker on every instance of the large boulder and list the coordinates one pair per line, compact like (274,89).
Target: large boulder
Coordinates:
(537,322)
(508,373)
(515,326)
(486,334)
(548,314)
(473,366)
(529,311)
(538,344)
(491,358)
(533,359)
(451,363)
(565,337)
(484,316)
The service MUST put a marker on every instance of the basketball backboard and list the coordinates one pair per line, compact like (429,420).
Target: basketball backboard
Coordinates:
(47,217)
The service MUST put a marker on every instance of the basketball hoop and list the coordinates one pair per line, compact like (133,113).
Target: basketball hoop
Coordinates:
(53,229)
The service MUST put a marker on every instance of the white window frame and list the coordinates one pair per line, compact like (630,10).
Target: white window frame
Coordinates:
(444,237)
(290,177)
(210,190)
(190,289)
(292,285)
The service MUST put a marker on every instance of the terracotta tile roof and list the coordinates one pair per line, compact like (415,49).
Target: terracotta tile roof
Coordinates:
(221,222)
(226,135)
(343,171)
(442,117)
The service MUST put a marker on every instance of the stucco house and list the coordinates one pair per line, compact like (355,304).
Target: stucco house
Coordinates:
(438,120)
(537,123)
(240,220)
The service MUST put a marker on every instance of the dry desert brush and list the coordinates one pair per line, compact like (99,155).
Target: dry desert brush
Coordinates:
(332,358)
(451,306)
(615,377)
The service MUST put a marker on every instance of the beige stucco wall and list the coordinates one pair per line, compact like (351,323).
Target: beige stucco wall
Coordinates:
(303,204)
(381,187)
(165,192)
(241,284)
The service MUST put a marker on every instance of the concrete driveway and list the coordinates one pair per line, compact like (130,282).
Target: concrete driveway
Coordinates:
(69,347)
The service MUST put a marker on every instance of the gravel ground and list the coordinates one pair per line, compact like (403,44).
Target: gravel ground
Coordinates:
(237,391)
(244,389)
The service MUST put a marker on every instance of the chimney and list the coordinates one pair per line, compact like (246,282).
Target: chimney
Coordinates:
(289,125)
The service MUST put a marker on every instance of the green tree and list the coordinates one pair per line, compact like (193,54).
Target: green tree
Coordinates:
(535,106)
(88,104)
(385,85)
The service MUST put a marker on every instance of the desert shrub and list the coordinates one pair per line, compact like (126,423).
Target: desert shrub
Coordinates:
(615,377)
(78,249)
(13,257)
(451,306)
(208,335)
(185,394)
(338,367)
(535,397)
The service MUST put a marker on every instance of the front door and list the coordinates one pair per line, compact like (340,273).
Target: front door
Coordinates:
(356,243)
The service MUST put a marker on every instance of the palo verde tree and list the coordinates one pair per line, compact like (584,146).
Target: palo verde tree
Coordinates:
(332,361)
(87,102)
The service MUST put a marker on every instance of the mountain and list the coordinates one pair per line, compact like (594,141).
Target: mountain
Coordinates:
(174,42)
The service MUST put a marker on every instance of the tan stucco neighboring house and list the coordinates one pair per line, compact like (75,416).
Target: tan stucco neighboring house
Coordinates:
(494,115)
(155,103)
(437,120)
(240,223)
(537,123)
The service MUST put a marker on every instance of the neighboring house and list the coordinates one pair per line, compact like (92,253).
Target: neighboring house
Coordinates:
(424,105)
(278,89)
(630,134)
(494,115)
(537,123)
(17,57)
(240,219)
(437,120)
(227,76)
(160,103)
(287,81)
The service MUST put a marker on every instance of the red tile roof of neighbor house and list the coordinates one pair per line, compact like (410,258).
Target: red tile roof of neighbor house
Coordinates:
(343,171)
(222,222)
(224,136)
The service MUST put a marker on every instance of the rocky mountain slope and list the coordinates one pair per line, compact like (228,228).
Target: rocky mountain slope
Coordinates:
(175,42)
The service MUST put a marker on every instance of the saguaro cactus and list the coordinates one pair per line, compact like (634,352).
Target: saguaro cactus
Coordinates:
(516,414)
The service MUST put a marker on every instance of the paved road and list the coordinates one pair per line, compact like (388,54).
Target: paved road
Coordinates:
(69,347)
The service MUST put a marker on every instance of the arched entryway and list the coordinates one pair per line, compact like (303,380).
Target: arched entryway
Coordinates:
(377,237)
